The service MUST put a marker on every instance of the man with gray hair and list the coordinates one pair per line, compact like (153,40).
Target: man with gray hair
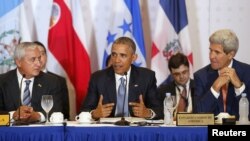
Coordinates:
(219,85)
(21,89)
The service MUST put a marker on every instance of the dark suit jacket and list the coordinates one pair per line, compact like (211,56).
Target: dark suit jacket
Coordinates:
(65,94)
(142,81)
(171,88)
(43,84)
(205,100)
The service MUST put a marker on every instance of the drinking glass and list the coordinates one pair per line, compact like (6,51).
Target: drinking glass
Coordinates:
(47,104)
(172,109)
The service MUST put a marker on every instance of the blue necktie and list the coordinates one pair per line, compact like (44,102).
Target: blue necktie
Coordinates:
(120,100)
(26,94)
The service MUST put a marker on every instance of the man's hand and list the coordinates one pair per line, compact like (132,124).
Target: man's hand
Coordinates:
(27,114)
(234,79)
(102,110)
(221,80)
(139,109)
(227,75)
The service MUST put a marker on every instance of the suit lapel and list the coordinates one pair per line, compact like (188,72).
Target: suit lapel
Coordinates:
(14,88)
(37,90)
(134,86)
(111,86)
(213,75)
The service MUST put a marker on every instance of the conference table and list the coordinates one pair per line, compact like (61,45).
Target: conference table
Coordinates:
(102,132)
(32,133)
(136,133)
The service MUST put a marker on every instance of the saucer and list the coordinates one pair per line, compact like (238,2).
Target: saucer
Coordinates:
(84,122)
(59,122)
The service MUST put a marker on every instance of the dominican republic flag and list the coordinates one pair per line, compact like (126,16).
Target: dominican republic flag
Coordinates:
(126,22)
(68,48)
(171,36)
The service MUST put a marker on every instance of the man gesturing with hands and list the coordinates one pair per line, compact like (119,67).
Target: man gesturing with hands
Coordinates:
(123,89)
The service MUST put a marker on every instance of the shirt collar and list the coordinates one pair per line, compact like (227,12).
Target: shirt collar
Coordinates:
(20,76)
(180,87)
(231,64)
(118,76)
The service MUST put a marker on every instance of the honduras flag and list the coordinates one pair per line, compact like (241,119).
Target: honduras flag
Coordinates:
(9,32)
(126,22)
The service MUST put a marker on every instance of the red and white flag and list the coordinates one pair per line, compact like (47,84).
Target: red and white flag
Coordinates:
(69,50)
(171,36)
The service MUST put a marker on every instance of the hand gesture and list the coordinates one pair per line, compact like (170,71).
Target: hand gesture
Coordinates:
(102,110)
(139,109)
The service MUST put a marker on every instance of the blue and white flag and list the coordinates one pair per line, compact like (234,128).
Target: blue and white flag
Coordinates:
(9,32)
(171,36)
(126,22)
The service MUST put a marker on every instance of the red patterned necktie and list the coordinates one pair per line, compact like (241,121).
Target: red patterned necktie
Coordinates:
(224,90)
(182,101)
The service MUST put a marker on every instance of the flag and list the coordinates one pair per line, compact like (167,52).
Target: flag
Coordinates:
(9,32)
(126,22)
(69,50)
(171,36)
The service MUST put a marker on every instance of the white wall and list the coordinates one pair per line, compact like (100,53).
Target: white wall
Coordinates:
(205,17)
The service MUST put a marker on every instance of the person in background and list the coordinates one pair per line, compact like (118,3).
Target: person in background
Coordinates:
(182,86)
(108,87)
(219,85)
(63,84)
(26,105)
(108,62)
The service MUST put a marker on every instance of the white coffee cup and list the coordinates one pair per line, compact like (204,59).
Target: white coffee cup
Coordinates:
(83,117)
(56,117)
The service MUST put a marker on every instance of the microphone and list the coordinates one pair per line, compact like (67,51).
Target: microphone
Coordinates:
(18,121)
(122,121)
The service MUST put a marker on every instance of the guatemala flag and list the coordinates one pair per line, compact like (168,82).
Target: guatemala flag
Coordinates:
(126,22)
(9,32)
(171,36)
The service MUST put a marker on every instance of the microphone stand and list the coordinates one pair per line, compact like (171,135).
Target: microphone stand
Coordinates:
(18,122)
(123,121)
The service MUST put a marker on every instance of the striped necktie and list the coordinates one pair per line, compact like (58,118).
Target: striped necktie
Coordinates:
(26,94)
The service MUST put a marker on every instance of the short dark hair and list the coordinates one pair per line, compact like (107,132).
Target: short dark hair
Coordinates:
(41,44)
(126,41)
(177,60)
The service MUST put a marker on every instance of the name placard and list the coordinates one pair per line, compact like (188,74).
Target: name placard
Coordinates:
(5,119)
(183,119)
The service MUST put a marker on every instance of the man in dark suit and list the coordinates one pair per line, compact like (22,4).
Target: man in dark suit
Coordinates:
(63,84)
(219,85)
(178,65)
(28,109)
(102,98)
